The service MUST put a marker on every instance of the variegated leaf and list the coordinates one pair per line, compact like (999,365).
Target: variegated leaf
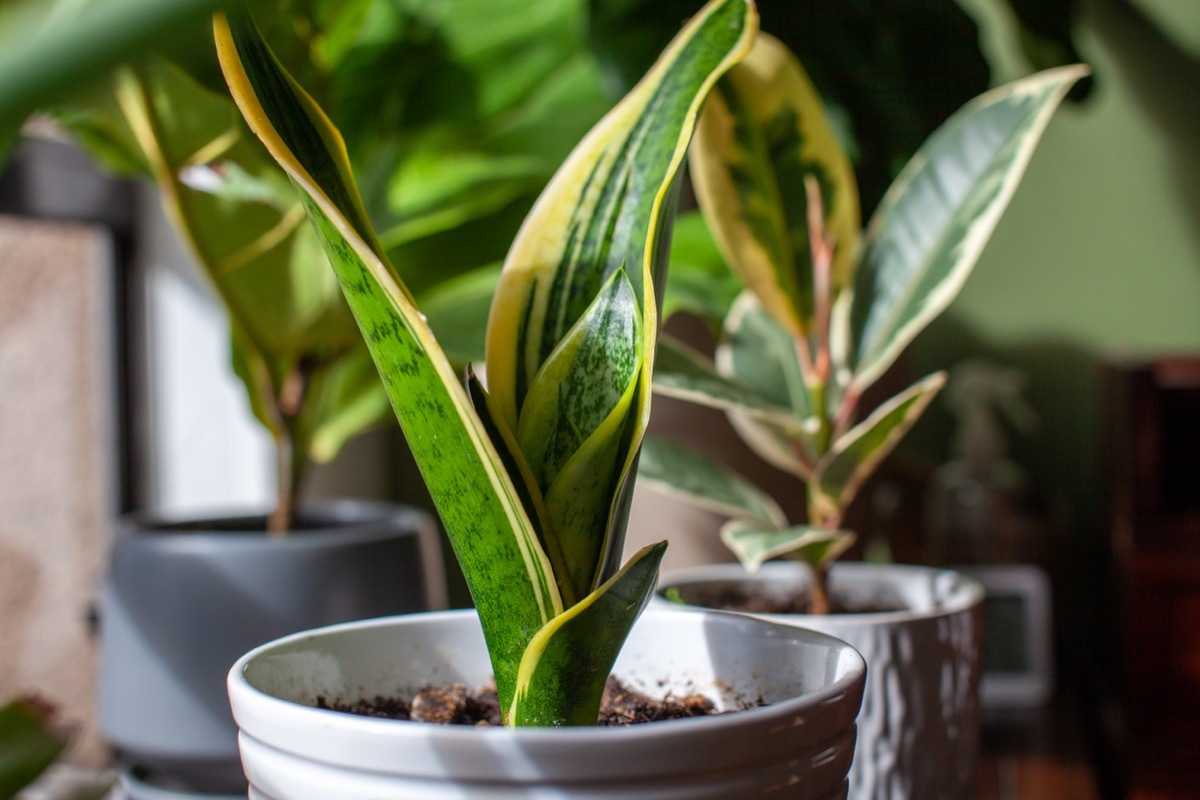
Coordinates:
(763,132)
(679,470)
(938,215)
(755,545)
(562,676)
(508,573)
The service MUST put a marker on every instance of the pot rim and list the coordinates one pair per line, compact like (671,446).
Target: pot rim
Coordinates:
(954,592)
(245,694)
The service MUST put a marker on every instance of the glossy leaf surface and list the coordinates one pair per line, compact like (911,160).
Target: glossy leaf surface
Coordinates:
(763,132)
(936,218)
(754,545)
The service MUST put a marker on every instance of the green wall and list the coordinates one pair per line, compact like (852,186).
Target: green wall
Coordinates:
(1099,253)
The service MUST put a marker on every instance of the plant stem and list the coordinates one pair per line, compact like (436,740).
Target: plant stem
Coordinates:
(818,595)
(291,451)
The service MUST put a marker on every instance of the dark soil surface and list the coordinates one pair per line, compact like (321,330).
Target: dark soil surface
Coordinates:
(458,705)
(756,598)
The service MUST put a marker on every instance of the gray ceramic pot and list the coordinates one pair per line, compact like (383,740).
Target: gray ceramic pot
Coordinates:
(182,600)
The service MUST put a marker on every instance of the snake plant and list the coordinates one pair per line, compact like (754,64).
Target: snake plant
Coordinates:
(531,473)
(827,308)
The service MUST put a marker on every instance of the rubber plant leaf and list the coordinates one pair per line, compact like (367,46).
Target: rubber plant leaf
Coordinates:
(698,282)
(568,662)
(763,132)
(753,545)
(506,570)
(855,455)
(760,354)
(679,470)
(935,219)
(682,372)
(608,209)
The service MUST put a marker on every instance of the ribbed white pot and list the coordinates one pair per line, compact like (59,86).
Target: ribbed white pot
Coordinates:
(798,746)
(919,727)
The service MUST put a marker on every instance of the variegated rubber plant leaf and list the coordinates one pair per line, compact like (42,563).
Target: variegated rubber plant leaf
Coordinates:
(938,215)
(679,470)
(503,487)
(763,132)
(754,545)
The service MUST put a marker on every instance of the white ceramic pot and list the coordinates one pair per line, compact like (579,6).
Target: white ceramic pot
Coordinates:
(919,727)
(799,746)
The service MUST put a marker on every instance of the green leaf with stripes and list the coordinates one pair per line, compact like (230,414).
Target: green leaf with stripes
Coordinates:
(563,674)
(508,573)
(936,218)
(763,132)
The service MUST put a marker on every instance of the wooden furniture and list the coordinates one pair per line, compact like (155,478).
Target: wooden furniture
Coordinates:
(1155,460)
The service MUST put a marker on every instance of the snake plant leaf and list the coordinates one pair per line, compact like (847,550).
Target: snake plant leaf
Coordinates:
(676,469)
(936,218)
(583,380)
(855,455)
(754,545)
(606,207)
(507,571)
(568,662)
(682,372)
(763,132)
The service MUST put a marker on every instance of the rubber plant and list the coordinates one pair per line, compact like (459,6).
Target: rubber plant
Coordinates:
(532,475)
(826,308)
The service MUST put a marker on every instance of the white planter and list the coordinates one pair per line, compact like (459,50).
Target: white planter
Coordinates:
(799,747)
(919,727)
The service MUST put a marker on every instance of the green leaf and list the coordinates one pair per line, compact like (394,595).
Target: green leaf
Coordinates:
(606,206)
(569,660)
(763,132)
(854,456)
(27,745)
(349,403)
(508,574)
(42,59)
(698,282)
(936,218)
(761,355)
(679,470)
(684,373)
(572,429)
(754,545)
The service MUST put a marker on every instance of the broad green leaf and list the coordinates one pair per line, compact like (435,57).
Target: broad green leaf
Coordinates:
(686,374)
(496,543)
(763,132)
(855,455)
(27,745)
(569,660)
(44,57)
(349,403)
(936,218)
(754,545)
(679,470)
